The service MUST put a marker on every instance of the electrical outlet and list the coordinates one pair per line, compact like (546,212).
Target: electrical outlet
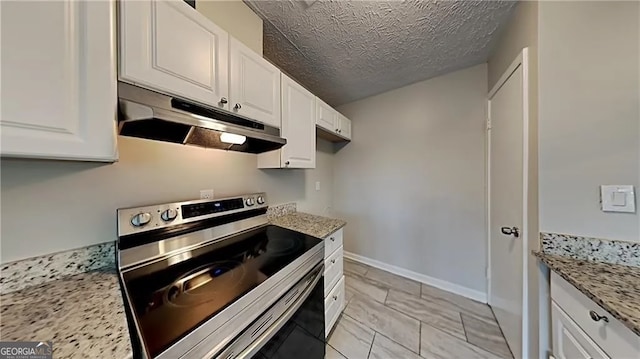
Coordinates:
(318,186)
(206,194)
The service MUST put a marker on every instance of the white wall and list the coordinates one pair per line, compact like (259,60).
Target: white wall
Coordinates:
(589,114)
(411,184)
(50,206)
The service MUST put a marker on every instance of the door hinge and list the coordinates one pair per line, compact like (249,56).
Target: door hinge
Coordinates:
(488,123)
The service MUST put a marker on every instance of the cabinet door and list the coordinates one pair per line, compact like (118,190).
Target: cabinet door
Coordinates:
(170,47)
(326,116)
(569,341)
(59,95)
(345,127)
(298,125)
(254,85)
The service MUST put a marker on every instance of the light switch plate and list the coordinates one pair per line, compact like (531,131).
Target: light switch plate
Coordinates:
(618,199)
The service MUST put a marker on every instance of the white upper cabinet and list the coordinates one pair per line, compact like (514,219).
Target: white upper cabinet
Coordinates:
(334,125)
(254,85)
(344,126)
(59,93)
(298,127)
(169,46)
(326,116)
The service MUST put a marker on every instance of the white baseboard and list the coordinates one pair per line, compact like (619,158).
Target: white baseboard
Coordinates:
(434,282)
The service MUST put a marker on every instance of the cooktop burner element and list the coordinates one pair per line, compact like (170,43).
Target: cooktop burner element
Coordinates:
(284,247)
(179,277)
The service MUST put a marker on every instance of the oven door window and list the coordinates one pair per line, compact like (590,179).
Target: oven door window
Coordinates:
(292,328)
(303,335)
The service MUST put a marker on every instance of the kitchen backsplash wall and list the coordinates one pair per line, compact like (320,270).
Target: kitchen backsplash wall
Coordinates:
(52,206)
(592,249)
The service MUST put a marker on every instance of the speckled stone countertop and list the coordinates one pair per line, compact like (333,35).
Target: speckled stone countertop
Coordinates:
(82,314)
(310,224)
(616,288)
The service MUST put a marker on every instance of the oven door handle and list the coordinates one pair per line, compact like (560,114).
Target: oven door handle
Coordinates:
(312,279)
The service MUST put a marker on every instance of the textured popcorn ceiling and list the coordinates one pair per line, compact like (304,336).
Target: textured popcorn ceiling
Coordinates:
(347,50)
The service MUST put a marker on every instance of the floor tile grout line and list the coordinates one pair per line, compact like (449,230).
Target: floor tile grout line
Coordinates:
(376,332)
(420,336)
(383,285)
(484,349)
(501,332)
(401,345)
(371,346)
(344,356)
(421,321)
(464,328)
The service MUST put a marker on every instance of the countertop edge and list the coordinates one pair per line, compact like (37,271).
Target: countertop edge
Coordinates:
(544,258)
(296,221)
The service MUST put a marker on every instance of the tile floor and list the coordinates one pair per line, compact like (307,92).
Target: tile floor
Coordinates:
(389,317)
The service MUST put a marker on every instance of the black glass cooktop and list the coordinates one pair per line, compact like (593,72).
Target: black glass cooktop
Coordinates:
(172,297)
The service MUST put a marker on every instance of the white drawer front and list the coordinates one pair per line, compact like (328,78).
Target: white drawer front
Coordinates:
(569,341)
(332,242)
(333,306)
(613,337)
(333,267)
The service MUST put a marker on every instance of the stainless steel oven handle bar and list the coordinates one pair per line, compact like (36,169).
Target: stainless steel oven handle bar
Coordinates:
(257,344)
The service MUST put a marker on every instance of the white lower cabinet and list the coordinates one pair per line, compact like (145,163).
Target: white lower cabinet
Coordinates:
(333,306)
(582,329)
(334,294)
(59,95)
(569,341)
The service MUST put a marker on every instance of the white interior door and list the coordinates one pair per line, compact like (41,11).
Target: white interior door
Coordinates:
(507,202)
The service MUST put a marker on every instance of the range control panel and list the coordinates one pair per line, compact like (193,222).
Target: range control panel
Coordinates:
(142,219)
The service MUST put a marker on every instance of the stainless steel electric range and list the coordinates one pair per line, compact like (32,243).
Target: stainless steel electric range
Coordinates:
(212,279)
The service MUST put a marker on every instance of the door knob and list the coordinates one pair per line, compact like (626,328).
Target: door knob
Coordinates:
(513,231)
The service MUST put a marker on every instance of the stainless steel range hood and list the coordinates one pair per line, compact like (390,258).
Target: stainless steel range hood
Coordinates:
(151,115)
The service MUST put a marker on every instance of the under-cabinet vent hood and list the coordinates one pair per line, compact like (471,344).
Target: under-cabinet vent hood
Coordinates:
(151,115)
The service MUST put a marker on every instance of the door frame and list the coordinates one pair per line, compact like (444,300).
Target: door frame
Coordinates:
(521,60)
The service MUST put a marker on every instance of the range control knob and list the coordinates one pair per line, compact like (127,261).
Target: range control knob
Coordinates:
(141,219)
(260,200)
(169,215)
(249,202)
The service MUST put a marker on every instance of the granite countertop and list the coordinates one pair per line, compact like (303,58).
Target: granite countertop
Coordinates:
(616,288)
(82,314)
(316,226)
